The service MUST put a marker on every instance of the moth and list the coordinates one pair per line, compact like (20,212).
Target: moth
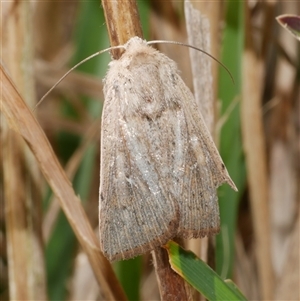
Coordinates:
(159,165)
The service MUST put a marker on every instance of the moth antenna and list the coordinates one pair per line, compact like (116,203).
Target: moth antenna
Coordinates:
(74,67)
(122,46)
(193,47)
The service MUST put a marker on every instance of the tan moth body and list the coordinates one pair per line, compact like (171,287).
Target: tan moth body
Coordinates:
(159,166)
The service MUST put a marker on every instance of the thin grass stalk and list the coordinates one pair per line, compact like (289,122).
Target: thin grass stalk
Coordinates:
(71,168)
(122,21)
(209,16)
(202,19)
(255,151)
(26,264)
(22,121)
(170,283)
(254,147)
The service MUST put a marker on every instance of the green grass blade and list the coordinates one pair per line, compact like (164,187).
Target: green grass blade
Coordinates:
(233,287)
(199,275)
(129,273)
(230,138)
(59,255)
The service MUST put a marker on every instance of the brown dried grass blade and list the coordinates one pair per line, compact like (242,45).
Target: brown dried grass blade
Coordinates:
(201,21)
(22,181)
(255,151)
(198,28)
(26,268)
(288,284)
(20,118)
(70,169)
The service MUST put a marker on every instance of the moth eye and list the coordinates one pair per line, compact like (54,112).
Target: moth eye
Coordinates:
(223,166)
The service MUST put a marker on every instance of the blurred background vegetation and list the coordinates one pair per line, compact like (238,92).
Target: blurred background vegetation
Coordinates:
(257,133)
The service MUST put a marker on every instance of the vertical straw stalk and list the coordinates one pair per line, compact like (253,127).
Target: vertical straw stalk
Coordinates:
(23,210)
(255,151)
(22,121)
(123,23)
(22,195)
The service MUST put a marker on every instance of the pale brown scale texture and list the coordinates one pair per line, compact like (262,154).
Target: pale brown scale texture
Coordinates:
(159,165)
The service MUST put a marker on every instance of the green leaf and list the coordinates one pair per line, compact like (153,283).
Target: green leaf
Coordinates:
(233,286)
(60,252)
(129,274)
(230,138)
(199,275)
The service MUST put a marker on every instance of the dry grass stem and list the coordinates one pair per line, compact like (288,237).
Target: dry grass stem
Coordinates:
(122,21)
(201,22)
(167,280)
(71,167)
(23,200)
(255,152)
(171,285)
(41,40)
(22,121)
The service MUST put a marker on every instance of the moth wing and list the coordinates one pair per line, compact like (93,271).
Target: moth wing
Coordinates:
(204,172)
(137,211)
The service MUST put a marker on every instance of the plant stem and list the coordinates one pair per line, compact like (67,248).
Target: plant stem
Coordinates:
(171,285)
(123,22)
